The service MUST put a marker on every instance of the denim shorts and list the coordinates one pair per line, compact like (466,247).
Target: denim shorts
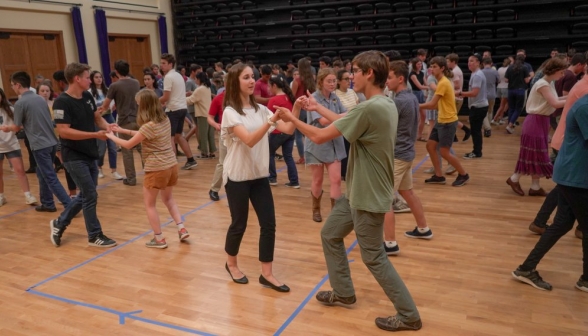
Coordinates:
(11,155)
(420,96)
(444,134)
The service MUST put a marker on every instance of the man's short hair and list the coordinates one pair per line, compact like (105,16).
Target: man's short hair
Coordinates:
(487,60)
(22,78)
(393,55)
(453,57)
(122,67)
(266,70)
(75,69)
(59,76)
(195,67)
(326,60)
(378,62)
(113,74)
(169,58)
(578,58)
(421,52)
(399,68)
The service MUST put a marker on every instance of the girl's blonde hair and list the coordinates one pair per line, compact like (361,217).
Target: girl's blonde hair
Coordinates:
(149,108)
(322,74)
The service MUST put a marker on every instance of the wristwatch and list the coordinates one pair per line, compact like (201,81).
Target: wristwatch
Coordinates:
(270,122)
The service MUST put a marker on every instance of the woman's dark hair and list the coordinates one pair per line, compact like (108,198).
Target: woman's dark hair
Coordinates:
(340,74)
(152,75)
(306,76)
(5,105)
(203,78)
(282,84)
(519,63)
(93,87)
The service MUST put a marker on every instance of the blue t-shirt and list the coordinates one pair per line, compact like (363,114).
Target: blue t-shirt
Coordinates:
(571,165)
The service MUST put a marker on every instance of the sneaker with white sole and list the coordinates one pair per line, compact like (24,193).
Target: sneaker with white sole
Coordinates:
(292,185)
(154,243)
(450,170)
(418,234)
(101,241)
(31,200)
(56,232)
(429,170)
(100,173)
(3,200)
(509,130)
(182,234)
(189,165)
(117,176)
(532,278)
(400,207)
(582,284)
(391,250)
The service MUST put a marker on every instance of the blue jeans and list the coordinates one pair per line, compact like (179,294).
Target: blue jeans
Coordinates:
(286,141)
(299,136)
(107,145)
(516,100)
(85,174)
(49,184)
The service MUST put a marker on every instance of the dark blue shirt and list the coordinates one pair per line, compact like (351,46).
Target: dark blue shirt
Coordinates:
(571,165)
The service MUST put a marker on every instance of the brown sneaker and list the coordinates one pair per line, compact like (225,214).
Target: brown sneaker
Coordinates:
(392,323)
(516,187)
(579,233)
(328,297)
(537,229)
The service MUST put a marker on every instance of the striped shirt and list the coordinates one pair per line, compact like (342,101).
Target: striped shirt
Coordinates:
(157,148)
(348,99)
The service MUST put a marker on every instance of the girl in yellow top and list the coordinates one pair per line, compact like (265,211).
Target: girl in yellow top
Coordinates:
(446,126)
(161,166)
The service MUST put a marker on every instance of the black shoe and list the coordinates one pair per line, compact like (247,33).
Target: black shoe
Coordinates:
(101,241)
(417,234)
(391,250)
(189,165)
(292,185)
(31,170)
(42,208)
(471,155)
(468,133)
(129,182)
(461,180)
(273,181)
(213,195)
(582,285)
(58,168)
(56,232)
(241,281)
(487,133)
(532,278)
(436,180)
(264,282)
(279,157)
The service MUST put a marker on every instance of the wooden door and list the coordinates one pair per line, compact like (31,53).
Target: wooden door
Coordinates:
(134,49)
(34,52)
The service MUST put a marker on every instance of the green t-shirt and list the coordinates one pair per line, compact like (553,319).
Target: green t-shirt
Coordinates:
(370,128)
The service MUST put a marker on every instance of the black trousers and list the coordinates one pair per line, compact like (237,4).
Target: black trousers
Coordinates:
(571,206)
(260,194)
(477,116)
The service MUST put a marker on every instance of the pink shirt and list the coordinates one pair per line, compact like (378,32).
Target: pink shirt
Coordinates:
(578,91)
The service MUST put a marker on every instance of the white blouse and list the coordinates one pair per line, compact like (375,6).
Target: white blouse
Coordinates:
(243,163)
(536,103)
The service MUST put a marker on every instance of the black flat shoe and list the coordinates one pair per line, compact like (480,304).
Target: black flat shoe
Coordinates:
(213,195)
(266,283)
(241,281)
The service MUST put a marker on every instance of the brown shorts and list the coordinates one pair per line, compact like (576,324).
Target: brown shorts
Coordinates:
(161,179)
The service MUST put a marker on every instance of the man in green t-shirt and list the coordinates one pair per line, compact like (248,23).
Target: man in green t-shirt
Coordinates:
(370,128)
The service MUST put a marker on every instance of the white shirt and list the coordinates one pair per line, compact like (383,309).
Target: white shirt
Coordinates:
(243,163)
(503,83)
(8,140)
(536,103)
(457,78)
(174,83)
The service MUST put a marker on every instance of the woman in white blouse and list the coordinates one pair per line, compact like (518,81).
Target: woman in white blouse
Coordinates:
(244,129)
(534,151)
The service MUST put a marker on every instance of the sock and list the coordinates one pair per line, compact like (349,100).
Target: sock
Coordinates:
(180,225)
(515,177)
(159,237)
(27,194)
(391,244)
(423,230)
(535,184)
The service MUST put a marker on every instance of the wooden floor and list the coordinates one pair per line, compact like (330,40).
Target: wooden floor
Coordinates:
(460,280)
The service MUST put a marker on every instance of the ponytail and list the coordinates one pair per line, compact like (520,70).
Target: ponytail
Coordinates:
(442,63)
(281,83)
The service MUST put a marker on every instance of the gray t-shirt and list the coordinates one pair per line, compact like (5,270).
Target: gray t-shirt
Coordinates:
(32,113)
(191,87)
(478,80)
(123,93)
(408,122)
(492,80)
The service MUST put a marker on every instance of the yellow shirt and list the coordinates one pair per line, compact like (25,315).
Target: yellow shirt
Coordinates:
(446,105)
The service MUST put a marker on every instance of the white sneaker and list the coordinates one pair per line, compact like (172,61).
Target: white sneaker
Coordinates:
(117,176)
(510,130)
(450,170)
(30,200)
(429,170)
(100,173)
(3,200)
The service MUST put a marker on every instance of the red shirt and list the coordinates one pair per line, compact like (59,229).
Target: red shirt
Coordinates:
(262,89)
(279,100)
(216,106)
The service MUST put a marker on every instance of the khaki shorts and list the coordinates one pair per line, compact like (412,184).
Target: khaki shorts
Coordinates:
(402,175)
(161,179)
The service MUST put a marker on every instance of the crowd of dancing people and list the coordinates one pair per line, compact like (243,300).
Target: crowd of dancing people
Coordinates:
(357,120)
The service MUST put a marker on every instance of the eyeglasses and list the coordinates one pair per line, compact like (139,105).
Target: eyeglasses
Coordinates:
(334,81)
(356,70)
